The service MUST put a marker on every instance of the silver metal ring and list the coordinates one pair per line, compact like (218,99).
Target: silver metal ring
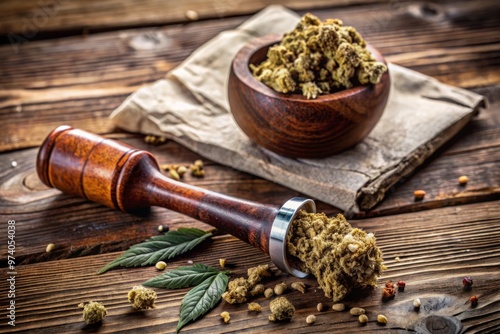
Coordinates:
(279,231)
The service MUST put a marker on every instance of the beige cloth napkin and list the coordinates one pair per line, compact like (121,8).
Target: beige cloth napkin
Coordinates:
(190,106)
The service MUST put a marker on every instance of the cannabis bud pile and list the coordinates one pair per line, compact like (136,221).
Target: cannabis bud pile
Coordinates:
(318,58)
(339,256)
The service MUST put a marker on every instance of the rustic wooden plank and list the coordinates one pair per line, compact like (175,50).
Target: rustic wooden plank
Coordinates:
(34,17)
(52,82)
(436,249)
(76,223)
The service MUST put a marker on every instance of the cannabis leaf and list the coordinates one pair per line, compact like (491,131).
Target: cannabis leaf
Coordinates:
(202,298)
(183,277)
(159,248)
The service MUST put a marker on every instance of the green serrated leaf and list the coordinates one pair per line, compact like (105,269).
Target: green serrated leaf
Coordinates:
(202,298)
(158,248)
(182,277)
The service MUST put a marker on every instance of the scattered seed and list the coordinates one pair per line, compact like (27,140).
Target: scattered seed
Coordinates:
(198,163)
(382,319)
(299,286)
(339,307)
(161,265)
(255,307)
(268,293)
(357,311)
(311,319)
(181,170)
(190,262)
(13,163)
(363,318)
(280,288)
(473,301)
(222,263)
(320,307)
(160,228)
(467,282)
(154,140)
(225,316)
(419,194)
(462,180)
(173,174)
(192,15)
(50,247)
(397,259)
(417,303)
(197,169)
(401,286)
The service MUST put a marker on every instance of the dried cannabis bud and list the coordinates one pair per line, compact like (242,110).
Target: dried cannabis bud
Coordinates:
(281,309)
(142,298)
(93,312)
(339,256)
(318,58)
(240,288)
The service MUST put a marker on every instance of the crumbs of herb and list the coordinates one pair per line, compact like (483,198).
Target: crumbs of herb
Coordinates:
(240,288)
(339,256)
(318,58)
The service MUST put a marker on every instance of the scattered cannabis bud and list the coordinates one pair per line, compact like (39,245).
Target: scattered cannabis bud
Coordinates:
(280,288)
(281,309)
(142,298)
(240,288)
(318,58)
(255,307)
(299,286)
(93,312)
(339,256)
(225,317)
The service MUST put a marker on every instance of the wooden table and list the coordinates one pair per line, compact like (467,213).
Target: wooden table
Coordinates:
(73,62)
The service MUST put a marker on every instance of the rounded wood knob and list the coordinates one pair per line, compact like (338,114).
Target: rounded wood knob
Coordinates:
(122,177)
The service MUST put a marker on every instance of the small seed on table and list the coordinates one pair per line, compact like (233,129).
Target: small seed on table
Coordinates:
(417,303)
(50,248)
(381,319)
(268,293)
(363,318)
(320,307)
(192,15)
(299,286)
(462,180)
(311,319)
(222,263)
(473,300)
(280,288)
(357,311)
(339,307)
(161,265)
(419,194)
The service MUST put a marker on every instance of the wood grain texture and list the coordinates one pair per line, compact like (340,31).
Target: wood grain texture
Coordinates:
(34,17)
(51,82)
(462,242)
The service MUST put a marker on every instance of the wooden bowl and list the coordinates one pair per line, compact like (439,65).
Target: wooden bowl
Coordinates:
(290,124)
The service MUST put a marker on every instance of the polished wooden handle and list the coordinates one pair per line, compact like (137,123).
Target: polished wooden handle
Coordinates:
(122,177)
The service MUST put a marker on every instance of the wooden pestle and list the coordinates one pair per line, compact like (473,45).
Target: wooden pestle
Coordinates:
(122,177)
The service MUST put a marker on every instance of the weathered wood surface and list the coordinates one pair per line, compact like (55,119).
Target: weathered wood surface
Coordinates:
(464,242)
(82,79)
(78,80)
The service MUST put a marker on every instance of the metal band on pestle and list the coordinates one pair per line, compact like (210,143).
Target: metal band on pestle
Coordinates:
(279,231)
